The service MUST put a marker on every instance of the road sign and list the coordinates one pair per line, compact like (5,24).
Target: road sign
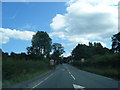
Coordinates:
(51,62)
(82,60)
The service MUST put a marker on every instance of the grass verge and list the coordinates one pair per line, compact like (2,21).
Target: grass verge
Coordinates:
(106,65)
(17,71)
(21,78)
(111,73)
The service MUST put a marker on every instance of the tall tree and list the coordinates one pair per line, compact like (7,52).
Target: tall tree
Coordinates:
(58,47)
(90,44)
(116,43)
(80,51)
(41,44)
(58,50)
(99,48)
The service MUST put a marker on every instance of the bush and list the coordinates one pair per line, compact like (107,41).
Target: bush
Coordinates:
(16,69)
(107,60)
(107,64)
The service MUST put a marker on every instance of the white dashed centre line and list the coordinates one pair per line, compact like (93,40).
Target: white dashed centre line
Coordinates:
(73,77)
(69,73)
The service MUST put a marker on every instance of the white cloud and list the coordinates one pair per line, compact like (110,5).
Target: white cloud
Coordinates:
(95,2)
(58,34)
(67,54)
(6,34)
(58,26)
(4,39)
(86,20)
(67,44)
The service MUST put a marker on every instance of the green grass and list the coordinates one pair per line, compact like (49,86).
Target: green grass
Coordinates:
(112,73)
(21,78)
(16,71)
(107,65)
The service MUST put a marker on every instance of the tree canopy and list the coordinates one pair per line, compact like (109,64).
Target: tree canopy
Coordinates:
(84,51)
(116,43)
(41,44)
(58,50)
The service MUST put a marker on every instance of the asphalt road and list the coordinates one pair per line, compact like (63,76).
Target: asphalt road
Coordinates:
(67,76)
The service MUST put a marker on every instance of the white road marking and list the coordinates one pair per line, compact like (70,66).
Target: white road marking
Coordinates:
(78,87)
(72,76)
(42,81)
(37,84)
(46,78)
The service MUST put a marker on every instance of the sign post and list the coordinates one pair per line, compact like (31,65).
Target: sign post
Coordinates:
(82,60)
(51,62)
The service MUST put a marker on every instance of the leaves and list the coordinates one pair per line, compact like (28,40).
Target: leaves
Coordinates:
(116,43)
(41,44)
(84,51)
(58,50)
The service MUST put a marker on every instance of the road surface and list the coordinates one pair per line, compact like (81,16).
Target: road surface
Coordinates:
(67,76)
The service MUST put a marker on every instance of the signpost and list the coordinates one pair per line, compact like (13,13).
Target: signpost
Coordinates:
(82,60)
(51,62)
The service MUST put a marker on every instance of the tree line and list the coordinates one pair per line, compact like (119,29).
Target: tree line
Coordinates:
(96,58)
(23,66)
(84,51)
(42,50)
(41,47)
(96,48)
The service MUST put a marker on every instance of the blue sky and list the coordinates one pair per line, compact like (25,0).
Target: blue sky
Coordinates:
(39,14)
(28,16)
(67,23)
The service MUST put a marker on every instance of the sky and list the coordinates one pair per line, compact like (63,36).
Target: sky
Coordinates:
(68,23)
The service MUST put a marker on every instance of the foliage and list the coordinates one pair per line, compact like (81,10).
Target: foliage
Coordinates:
(102,64)
(58,47)
(112,73)
(108,60)
(84,51)
(116,43)
(58,50)
(15,71)
(41,45)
